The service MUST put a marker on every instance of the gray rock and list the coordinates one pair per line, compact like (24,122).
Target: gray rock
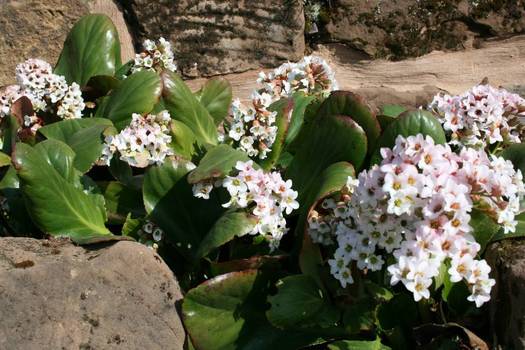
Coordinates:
(507,304)
(55,295)
(222,36)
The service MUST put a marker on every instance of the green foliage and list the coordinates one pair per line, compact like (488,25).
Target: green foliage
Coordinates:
(216,97)
(92,48)
(74,213)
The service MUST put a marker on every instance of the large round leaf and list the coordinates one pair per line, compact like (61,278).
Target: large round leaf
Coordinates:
(92,48)
(353,105)
(170,203)
(84,136)
(301,102)
(300,302)
(216,97)
(217,163)
(184,106)
(331,139)
(228,313)
(232,224)
(136,94)
(56,202)
(410,123)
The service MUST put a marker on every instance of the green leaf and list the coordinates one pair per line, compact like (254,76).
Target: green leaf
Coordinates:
(392,110)
(516,154)
(216,97)
(310,259)
(138,93)
(332,139)
(401,310)
(5,160)
(184,106)
(358,345)
(92,48)
(300,302)
(84,136)
(354,106)
(283,108)
(410,123)
(232,224)
(182,139)
(101,85)
(301,102)
(123,173)
(170,203)
(217,163)
(10,128)
(54,200)
(121,201)
(483,228)
(228,313)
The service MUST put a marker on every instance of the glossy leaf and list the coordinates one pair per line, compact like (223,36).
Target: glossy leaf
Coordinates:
(84,136)
(230,225)
(5,160)
(284,108)
(300,102)
(392,110)
(333,139)
(300,302)
(216,97)
(354,106)
(410,123)
(60,207)
(358,345)
(484,228)
(138,93)
(170,203)
(92,48)
(121,201)
(183,139)
(185,107)
(217,163)
(227,313)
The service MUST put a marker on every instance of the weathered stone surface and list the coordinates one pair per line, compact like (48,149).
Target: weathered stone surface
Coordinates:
(54,295)
(222,36)
(404,28)
(412,82)
(507,305)
(38,28)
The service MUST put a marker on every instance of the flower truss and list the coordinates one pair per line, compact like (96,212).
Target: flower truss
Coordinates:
(266,195)
(155,57)
(144,142)
(481,116)
(417,205)
(252,129)
(48,92)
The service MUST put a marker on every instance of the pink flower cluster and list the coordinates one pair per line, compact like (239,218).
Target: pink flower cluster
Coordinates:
(481,116)
(48,92)
(266,195)
(417,205)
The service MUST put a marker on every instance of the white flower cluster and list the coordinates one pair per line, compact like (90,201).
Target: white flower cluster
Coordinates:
(481,116)
(416,205)
(266,195)
(252,129)
(144,142)
(150,235)
(312,75)
(155,57)
(48,92)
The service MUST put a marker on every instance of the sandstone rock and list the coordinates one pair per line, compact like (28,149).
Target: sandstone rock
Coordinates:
(412,82)
(54,295)
(404,28)
(222,36)
(507,305)
(38,28)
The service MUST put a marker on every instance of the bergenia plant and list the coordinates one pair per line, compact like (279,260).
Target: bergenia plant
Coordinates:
(303,218)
